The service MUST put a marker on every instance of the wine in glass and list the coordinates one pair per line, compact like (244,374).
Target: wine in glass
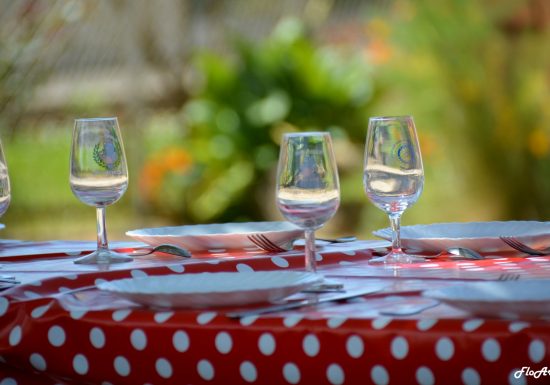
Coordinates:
(99,177)
(5,191)
(393,175)
(308,192)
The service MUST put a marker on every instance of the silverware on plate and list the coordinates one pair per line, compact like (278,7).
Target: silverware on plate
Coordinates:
(314,300)
(514,243)
(165,248)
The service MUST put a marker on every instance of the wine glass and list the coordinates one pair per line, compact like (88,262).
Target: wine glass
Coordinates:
(5,190)
(99,177)
(308,192)
(393,175)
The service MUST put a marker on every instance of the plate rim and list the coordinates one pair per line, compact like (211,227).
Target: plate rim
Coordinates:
(141,233)
(379,232)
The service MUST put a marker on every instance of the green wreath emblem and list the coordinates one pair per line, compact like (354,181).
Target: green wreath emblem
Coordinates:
(107,154)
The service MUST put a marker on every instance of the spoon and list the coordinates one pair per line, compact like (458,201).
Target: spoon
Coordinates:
(165,248)
(464,252)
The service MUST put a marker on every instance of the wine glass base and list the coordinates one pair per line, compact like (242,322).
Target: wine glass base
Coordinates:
(103,257)
(396,259)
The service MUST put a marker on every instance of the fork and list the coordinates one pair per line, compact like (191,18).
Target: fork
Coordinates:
(508,277)
(520,246)
(264,243)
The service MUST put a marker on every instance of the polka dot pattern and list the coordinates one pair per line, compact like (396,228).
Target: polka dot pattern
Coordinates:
(490,350)
(180,340)
(248,371)
(291,373)
(205,370)
(311,345)
(56,336)
(267,344)
(80,364)
(164,368)
(444,349)
(335,374)
(339,338)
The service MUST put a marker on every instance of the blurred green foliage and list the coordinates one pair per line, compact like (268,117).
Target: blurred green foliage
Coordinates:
(235,119)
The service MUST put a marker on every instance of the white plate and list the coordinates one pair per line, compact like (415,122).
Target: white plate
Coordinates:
(480,236)
(211,289)
(225,236)
(509,299)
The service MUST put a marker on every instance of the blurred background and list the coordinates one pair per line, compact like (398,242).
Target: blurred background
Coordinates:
(203,90)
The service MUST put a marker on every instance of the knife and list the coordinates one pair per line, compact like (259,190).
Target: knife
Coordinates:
(318,298)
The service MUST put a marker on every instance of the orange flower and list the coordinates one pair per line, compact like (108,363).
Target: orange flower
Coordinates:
(173,159)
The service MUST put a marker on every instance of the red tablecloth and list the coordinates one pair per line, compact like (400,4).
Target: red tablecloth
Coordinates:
(50,336)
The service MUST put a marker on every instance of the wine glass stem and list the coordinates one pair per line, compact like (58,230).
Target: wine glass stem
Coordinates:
(102,242)
(311,264)
(395,221)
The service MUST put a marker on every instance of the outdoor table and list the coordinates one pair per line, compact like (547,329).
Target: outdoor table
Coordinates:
(53,333)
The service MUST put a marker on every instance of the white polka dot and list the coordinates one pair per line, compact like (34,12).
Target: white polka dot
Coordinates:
(205,318)
(80,364)
(318,257)
(335,374)
(248,371)
(243,268)
(38,362)
(8,381)
(355,346)
(180,340)
(223,342)
(424,376)
(39,311)
(122,366)
(336,322)
(266,344)
(176,268)
(537,350)
(425,324)
(205,369)
(291,373)
(56,336)
(279,261)
(350,252)
(518,326)
(471,325)
(15,336)
(380,323)
(445,349)
(490,350)
(248,320)
(292,320)
(4,304)
(163,316)
(138,339)
(120,315)
(311,345)
(138,273)
(77,314)
(470,377)
(515,379)
(99,280)
(379,375)
(399,348)
(97,338)
(164,368)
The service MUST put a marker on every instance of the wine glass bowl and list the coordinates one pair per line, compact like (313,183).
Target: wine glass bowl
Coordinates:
(98,177)
(393,174)
(5,189)
(308,192)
